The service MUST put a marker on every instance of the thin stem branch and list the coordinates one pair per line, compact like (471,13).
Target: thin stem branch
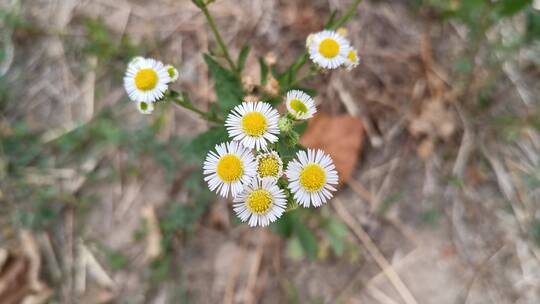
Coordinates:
(188,105)
(312,72)
(299,63)
(348,14)
(219,40)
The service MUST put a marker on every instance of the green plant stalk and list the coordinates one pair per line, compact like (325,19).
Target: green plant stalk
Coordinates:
(348,14)
(351,10)
(219,40)
(187,105)
(312,72)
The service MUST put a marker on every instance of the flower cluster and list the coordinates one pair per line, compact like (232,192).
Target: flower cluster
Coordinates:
(248,169)
(146,81)
(330,50)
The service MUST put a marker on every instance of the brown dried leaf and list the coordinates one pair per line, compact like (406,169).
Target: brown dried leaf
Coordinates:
(19,274)
(435,120)
(340,136)
(425,149)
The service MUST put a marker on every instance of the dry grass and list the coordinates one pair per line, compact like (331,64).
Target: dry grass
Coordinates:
(440,202)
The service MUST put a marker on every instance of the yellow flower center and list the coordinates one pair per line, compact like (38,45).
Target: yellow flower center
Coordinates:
(352,56)
(268,166)
(259,201)
(254,124)
(329,48)
(312,178)
(230,168)
(298,106)
(146,79)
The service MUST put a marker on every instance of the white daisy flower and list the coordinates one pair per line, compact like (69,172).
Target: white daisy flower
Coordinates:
(135,60)
(261,203)
(328,49)
(254,124)
(309,40)
(145,107)
(352,59)
(173,73)
(146,80)
(229,169)
(269,165)
(300,105)
(312,176)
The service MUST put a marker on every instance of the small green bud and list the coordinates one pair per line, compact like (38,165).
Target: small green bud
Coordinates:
(292,138)
(285,125)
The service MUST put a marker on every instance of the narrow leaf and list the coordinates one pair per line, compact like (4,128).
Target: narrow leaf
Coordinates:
(228,87)
(264,71)
(204,142)
(242,57)
(510,7)
(307,240)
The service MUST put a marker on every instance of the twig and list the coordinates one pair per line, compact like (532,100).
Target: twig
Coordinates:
(466,147)
(380,296)
(95,269)
(357,187)
(388,270)
(479,270)
(387,182)
(153,240)
(80,270)
(52,261)
(354,110)
(249,295)
(233,277)
(68,255)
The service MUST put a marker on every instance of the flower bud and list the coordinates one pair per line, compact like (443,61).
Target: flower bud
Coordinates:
(292,138)
(285,124)
(342,31)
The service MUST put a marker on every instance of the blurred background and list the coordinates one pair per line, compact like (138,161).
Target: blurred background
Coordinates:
(435,136)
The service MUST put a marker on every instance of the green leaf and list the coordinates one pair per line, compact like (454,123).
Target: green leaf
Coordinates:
(463,65)
(204,142)
(389,202)
(264,71)
(228,87)
(510,7)
(301,127)
(307,240)
(431,216)
(286,79)
(242,57)
(337,232)
(285,226)
(117,260)
(534,232)
(295,250)
(331,19)
(533,25)
(198,3)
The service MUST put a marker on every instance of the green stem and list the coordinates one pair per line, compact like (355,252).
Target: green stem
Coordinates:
(312,72)
(348,14)
(188,105)
(219,40)
(299,63)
